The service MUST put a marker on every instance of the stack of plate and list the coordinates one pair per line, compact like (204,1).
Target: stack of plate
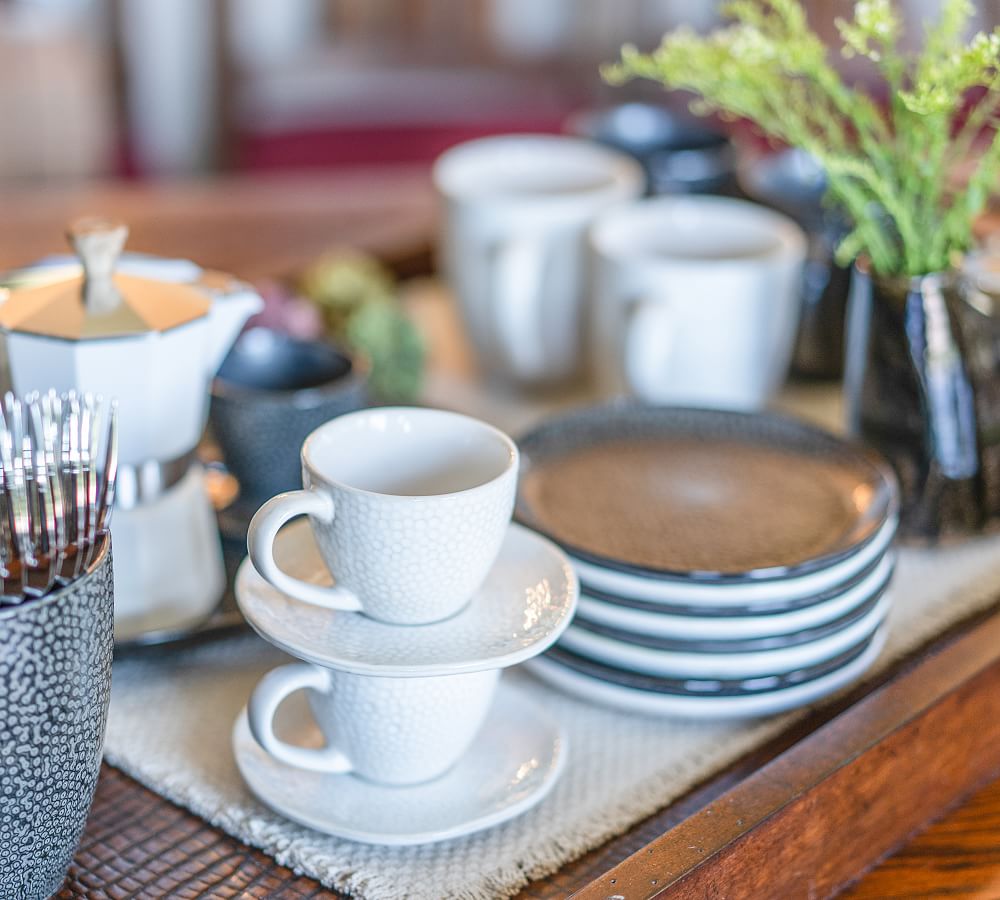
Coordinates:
(730,564)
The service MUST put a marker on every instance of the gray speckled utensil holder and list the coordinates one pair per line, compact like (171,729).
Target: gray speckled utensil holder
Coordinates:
(55,683)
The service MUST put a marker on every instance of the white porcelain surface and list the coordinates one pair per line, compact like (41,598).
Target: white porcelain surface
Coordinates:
(593,690)
(409,507)
(719,627)
(694,594)
(696,301)
(169,571)
(160,380)
(526,602)
(389,730)
(516,212)
(510,766)
(677,664)
(168,563)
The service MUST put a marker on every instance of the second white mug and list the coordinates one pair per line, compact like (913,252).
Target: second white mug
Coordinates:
(517,208)
(696,301)
(409,508)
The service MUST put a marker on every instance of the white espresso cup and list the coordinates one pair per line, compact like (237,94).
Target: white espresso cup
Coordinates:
(517,209)
(409,508)
(696,301)
(389,730)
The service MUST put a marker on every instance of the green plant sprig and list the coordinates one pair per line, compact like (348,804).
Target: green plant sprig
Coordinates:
(897,171)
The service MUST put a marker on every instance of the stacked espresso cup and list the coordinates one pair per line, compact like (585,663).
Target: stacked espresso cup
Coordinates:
(405,595)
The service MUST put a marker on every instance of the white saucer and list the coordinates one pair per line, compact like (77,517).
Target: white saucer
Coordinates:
(595,690)
(512,764)
(527,601)
(675,664)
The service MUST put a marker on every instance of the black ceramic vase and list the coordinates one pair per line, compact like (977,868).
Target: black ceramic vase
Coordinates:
(921,387)
(55,683)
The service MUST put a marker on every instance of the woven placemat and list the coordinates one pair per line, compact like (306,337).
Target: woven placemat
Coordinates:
(172,715)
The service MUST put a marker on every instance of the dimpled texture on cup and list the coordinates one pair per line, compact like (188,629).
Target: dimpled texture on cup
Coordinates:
(55,682)
(403,730)
(413,560)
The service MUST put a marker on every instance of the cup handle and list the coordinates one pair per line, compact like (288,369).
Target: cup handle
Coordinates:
(649,337)
(269,694)
(264,528)
(516,307)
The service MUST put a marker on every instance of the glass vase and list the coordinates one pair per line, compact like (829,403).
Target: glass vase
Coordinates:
(922,387)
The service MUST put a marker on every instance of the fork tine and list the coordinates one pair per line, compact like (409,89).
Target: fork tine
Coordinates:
(58,469)
(50,415)
(46,488)
(93,484)
(6,541)
(109,478)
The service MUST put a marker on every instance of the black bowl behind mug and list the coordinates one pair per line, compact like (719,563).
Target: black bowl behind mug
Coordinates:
(793,182)
(55,683)
(271,391)
(681,154)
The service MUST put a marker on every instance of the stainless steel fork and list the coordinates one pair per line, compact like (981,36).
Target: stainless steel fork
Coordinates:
(58,468)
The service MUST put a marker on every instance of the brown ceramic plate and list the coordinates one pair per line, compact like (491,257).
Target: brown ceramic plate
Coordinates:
(696,494)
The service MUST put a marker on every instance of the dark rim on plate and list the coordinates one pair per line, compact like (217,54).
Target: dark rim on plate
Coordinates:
(583,424)
(756,686)
(739,645)
(753,610)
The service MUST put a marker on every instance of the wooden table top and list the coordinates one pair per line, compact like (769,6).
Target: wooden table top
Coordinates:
(260,227)
(136,843)
(959,856)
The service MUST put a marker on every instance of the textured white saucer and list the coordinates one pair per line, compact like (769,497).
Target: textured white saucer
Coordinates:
(526,603)
(512,764)
(594,690)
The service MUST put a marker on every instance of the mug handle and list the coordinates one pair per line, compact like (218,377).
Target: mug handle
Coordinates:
(516,307)
(269,694)
(650,330)
(264,528)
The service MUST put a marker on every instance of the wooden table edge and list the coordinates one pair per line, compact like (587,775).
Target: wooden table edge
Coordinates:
(885,762)
(803,815)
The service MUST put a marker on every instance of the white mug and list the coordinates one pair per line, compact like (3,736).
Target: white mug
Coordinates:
(696,301)
(389,730)
(409,508)
(513,249)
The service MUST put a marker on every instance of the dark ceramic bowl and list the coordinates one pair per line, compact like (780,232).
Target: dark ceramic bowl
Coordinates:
(55,682)
(681,154)
(271,391)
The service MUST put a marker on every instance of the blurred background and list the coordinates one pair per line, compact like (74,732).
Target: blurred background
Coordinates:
(147,88)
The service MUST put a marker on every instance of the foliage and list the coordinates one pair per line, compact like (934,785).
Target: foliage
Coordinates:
(908,173)
(357,298)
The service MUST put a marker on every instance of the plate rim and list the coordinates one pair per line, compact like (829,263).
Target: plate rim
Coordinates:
(726,646)
(861,453)
(660,592)
(634,700)
(866,625)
